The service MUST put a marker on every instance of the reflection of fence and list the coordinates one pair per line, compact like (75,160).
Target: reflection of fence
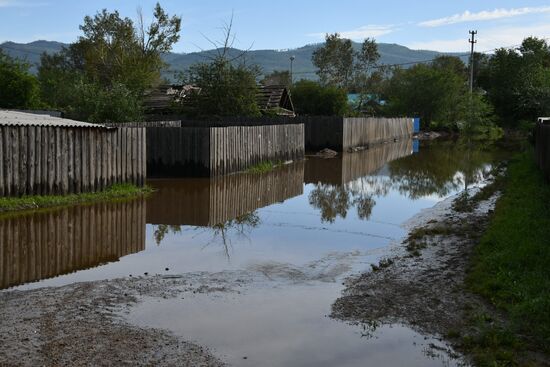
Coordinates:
(542,145)
(204,202)
(350,166)
(44,245)
(41,160)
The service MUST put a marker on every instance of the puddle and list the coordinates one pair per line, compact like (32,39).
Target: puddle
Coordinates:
(286,326)
(301,230)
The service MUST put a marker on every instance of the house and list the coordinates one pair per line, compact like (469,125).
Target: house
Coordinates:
(275,99)
(272,99)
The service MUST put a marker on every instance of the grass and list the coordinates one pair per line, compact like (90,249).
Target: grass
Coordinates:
(118,191)
(511,267)
(263,167)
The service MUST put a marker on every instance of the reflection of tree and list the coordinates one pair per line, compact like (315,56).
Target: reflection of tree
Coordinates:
(334,201)
(162,230)
(438,169)
(240,227)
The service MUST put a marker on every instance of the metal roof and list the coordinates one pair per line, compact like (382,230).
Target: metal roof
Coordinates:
(14,118)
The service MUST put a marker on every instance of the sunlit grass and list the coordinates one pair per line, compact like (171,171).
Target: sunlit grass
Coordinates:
(118,191)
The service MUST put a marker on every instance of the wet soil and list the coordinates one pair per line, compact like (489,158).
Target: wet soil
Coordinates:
(79,325)
(422,283)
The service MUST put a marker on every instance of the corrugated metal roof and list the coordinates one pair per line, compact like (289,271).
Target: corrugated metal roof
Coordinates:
(14,118)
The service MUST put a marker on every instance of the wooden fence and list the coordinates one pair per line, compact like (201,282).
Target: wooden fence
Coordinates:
(44,160)
(207,202)
(350,166)
(342,134)
(542,145)
(215,151)
(48,244)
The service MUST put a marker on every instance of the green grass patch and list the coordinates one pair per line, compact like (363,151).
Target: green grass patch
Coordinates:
(263,167)
(511,264)
(25,203)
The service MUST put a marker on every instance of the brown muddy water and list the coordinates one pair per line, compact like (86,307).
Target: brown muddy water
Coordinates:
(299,231)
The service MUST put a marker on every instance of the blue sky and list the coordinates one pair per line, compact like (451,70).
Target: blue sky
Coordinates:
(427,24)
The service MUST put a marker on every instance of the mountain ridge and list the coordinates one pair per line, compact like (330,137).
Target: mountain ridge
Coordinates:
(268,59)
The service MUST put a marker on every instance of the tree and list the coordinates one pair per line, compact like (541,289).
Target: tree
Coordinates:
(227,84)
(517,82)
(115,59)
(225,89)
(277,77)
(334,61)
(311,98)
(18,88)
(431,92)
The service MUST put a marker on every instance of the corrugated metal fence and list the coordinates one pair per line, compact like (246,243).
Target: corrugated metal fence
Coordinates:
(45,160)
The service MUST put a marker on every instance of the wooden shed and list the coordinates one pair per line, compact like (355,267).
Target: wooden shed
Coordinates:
(44,155)
(275,99)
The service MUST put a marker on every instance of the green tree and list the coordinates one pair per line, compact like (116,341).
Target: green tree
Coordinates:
(277,77)
(431,92)
(334,61)
(517,81)
(225,89)
(18,88)
(311,98)
(115,58)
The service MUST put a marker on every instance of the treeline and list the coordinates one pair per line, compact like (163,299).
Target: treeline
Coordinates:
(105,75)
(511,87)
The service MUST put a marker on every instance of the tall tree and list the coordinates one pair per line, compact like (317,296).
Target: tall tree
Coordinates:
(114,57)
(334,61)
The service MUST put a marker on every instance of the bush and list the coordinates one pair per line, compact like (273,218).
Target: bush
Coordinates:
(310,98)
(18,88)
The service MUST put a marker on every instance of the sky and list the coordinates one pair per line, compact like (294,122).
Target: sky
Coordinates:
(440,25)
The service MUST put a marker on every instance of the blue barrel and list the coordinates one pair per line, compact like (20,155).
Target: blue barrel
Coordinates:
(416,125)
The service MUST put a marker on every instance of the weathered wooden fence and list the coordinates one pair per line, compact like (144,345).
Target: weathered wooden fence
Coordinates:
(48,244)
(342,134)
(200,148)
(207,202)
(542,145)
(42,160)
(350,166)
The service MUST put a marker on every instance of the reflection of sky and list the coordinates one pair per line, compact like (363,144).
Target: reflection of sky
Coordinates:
(283,327)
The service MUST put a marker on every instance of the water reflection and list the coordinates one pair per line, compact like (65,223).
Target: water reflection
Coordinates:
(224,206)
(356,180)
(48,244)
(349,181)
(209,202)
(441,168)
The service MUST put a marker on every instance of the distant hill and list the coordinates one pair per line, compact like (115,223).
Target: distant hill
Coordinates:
(268,60)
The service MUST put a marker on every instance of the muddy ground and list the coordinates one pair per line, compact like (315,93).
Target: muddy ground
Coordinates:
(421,284)
(80,324)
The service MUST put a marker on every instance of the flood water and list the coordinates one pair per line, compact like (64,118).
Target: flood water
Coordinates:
(302,229)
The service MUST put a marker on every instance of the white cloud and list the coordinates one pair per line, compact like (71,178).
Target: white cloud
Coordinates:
(361,33)
(488,39)
(468,16)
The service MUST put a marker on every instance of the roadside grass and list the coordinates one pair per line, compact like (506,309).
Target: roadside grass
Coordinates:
(263,167)
(511,268)
(25,203)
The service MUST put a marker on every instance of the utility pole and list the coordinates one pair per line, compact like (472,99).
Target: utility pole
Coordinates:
(291,62)
(472,41)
